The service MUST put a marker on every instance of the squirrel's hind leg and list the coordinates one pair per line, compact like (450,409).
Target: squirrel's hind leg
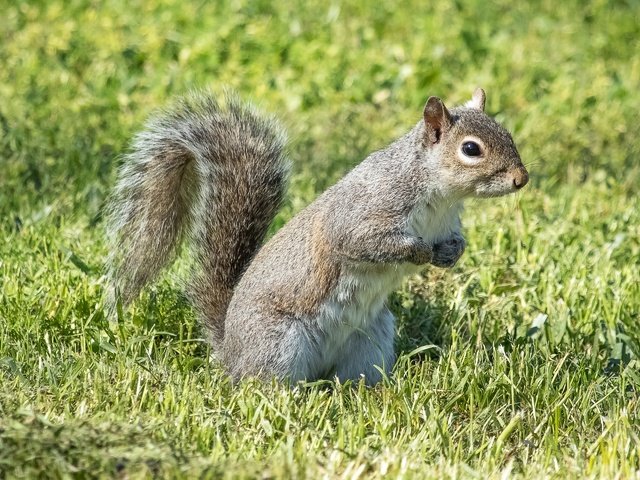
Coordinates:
(368,351)
(283,348)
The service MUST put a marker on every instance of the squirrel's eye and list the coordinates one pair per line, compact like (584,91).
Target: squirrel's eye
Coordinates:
(471,149)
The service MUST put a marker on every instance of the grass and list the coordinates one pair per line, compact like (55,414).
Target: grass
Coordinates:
(522,361)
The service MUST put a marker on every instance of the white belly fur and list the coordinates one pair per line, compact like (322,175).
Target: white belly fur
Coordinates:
(362,290)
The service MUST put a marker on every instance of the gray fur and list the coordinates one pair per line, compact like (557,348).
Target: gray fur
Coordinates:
(311,303)
(213,172)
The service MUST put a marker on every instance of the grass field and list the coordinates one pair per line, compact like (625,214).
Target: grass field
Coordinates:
(522,361)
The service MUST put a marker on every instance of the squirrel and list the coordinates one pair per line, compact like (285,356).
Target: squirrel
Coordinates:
(310,303)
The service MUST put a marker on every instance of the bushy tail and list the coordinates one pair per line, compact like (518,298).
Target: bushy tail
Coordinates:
(213,173)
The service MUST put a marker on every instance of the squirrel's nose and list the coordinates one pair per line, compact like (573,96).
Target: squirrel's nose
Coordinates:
(520,178)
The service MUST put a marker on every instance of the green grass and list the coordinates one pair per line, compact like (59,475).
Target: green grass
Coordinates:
(522,360)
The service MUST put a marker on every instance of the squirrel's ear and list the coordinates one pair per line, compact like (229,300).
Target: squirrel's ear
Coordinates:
(477,100)
(437,119)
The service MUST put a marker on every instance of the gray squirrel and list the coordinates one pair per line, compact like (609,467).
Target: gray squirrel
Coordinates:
(310,303)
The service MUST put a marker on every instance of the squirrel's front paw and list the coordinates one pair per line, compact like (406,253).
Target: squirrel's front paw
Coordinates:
(447,252)
(421,253)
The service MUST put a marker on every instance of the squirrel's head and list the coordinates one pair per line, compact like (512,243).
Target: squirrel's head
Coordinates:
(477,155)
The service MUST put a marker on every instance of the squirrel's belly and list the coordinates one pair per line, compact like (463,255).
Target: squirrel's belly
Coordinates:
(356,302)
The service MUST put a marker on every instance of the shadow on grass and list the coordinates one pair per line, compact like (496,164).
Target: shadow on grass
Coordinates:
(421,322)
(165,314)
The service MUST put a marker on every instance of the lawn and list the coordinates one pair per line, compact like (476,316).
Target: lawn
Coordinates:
(522,361)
